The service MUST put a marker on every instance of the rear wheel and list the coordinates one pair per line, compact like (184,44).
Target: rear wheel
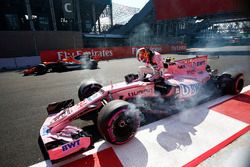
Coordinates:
(118,121)
(93,64)
(237,85)
(41,69)
(231,84)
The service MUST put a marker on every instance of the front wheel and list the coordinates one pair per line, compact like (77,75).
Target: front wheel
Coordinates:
(118,122)
(88,89)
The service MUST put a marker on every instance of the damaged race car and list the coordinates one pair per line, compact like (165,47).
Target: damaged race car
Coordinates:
(116,110)
(69,63)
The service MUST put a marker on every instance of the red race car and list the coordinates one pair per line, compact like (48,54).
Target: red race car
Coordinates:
(70,63)
(116,109)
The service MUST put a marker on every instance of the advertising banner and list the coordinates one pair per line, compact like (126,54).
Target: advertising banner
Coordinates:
(108,53)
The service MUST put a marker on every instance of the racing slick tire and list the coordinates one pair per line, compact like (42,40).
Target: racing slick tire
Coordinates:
(232,84)
(237,84)
(93,65)
(58,67)
(41,69)
(88,89)
(118,122)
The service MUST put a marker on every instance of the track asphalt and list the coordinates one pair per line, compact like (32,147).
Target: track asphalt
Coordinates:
(24,100)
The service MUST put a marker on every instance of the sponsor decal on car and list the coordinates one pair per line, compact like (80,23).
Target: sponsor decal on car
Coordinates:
(140,92)
(70,145)
(189,90)
(66,112)
(200,63)
(92,52)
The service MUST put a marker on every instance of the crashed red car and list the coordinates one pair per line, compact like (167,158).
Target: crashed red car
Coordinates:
(69,63)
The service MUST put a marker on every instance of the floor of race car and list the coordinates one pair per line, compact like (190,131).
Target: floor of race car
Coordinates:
(183,139)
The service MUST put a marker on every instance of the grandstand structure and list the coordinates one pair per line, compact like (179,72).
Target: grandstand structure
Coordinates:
(105,36)
(196,23)
(53,15)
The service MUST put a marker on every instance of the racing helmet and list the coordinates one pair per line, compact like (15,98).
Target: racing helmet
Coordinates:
(142,55)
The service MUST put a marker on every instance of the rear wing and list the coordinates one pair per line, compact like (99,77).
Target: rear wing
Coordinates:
(188,66)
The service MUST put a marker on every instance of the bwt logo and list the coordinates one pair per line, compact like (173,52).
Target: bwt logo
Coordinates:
(73,144)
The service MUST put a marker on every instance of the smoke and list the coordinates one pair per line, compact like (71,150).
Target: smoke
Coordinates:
(234,71)
(144,35)
(92,76)
(85,63)
(152,109)
(133,112)
(136,38)
(88,81)
(159,107)
(219,34)
(202,40)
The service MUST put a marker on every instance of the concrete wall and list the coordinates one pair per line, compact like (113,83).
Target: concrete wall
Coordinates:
(21,48)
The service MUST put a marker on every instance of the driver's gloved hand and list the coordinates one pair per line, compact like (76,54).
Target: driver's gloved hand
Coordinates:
(131,78)
(151,79)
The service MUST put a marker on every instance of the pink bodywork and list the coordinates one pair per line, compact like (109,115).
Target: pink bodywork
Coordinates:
(185,76)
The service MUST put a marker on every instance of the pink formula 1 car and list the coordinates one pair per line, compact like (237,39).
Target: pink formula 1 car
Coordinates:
(116,108)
